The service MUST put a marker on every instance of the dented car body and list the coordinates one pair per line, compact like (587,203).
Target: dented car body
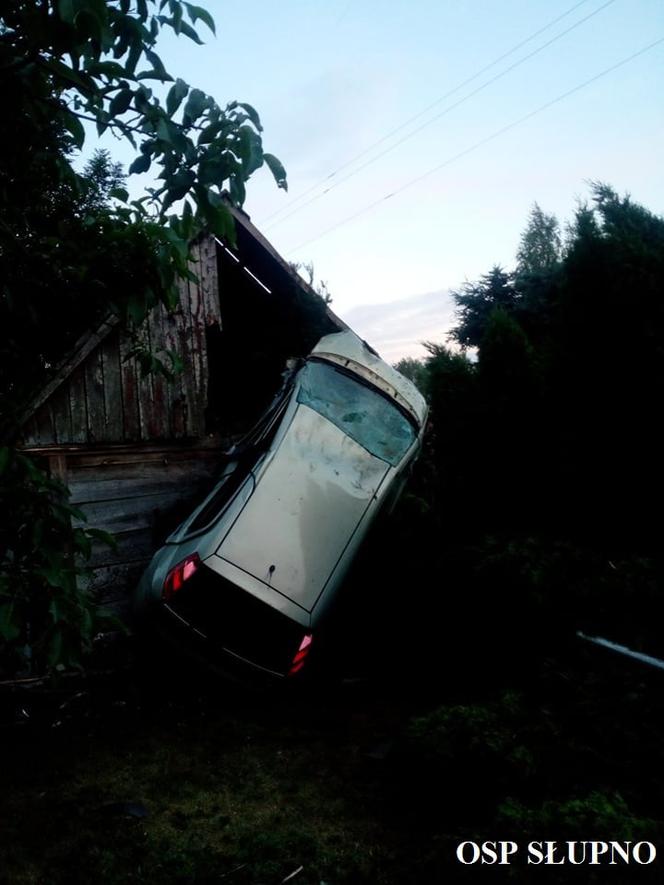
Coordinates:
(251,574)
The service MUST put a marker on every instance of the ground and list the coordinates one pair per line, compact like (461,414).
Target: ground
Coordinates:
(176,778)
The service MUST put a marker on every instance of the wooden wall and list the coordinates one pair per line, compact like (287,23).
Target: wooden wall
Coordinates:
(138,494)
(105,400)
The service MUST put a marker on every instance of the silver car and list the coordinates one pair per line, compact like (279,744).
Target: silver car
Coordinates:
(250,576)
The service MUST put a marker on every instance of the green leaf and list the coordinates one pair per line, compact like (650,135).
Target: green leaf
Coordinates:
(176,94)
(171,133)
(249,149)
(69,510)
(102,122)
(120,102)
(140,164)
(176,10)
(277,170)
(218,216)
(188,31)
(89,23)
(82,543)
(55,576)
(103,537)
(55,648)
(158,65)
(238,190)
(196,104)
(137,308)
(214,169)
(208,135)
(252,114)
(66,73)
(180,187)
(67,11)
(110,68)
(119,193)
(177,365)
(197,12)
(86,625)
(9,629)
(55,610)
(153,75)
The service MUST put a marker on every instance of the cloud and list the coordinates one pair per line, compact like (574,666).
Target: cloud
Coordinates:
(396,328)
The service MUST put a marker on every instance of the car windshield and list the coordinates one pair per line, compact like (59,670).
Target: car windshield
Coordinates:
(361,412)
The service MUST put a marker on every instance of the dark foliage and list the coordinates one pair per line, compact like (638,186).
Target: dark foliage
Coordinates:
(560,404)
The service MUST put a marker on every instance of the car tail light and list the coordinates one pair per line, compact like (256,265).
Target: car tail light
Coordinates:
(179,574)
(301,655)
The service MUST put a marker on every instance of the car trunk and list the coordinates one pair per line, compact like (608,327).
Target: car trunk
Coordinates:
(233,620)
(307,504)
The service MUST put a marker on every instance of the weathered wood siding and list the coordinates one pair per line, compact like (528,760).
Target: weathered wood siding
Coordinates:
(105,400)
(139,495)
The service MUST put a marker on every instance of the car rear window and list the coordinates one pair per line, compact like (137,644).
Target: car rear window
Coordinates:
(361,412)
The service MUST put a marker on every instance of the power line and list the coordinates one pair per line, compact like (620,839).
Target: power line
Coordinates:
(428,108)
(481,143)
(442,113)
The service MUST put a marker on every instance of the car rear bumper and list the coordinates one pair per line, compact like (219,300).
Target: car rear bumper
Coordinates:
(227,628)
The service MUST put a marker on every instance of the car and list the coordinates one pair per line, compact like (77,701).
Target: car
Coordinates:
(249,577)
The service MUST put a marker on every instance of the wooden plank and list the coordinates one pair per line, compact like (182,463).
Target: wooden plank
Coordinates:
(160,396)
(145,396)
(199,347)
(44,425)
(146,412)
(211,313)
(124,457)
(78,406)
(129,513)
(30,433)
(212,443)
(176,404)
(94,396)
(61,412)
(110,351)
(186,348)
(132,545)
(84,346)
(130,418)
(112,585)
(209,277)
(57,465)
(197,362)
(100,487)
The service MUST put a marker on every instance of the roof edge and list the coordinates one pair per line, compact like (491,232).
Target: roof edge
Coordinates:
(240,217)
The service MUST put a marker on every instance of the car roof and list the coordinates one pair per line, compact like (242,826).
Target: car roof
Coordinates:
(350,351)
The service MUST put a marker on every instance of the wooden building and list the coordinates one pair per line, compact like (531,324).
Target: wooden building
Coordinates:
(138,452)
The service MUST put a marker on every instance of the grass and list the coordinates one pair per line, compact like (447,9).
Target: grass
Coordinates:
(234,792)
(373,782)
(249,789)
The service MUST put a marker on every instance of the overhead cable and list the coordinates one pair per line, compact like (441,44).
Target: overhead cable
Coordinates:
(425,110)
(442,113)
(481,143)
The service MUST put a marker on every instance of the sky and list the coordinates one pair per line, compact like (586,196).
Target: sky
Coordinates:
(341,88)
